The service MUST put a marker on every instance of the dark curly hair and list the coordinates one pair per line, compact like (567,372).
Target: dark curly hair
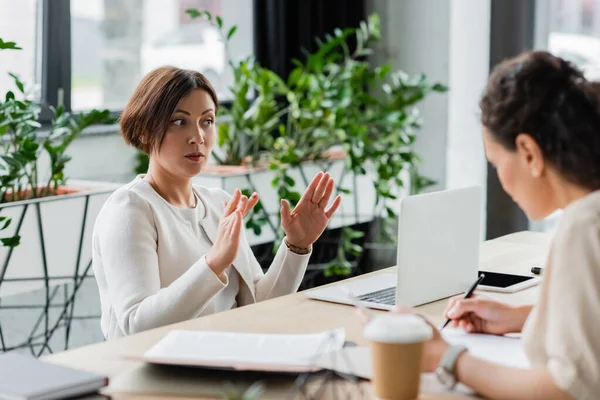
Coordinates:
(548,98)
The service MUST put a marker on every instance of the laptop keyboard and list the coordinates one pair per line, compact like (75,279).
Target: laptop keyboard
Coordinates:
(383,296)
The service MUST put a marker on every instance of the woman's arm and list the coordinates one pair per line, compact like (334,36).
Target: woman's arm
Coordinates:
(126,240)
(494,381)
(284,276)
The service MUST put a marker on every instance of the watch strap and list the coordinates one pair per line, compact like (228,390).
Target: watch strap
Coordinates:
(449,359)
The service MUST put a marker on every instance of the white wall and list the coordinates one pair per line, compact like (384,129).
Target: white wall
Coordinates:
(468,73)
(101,158)
(449,42)
(415,39)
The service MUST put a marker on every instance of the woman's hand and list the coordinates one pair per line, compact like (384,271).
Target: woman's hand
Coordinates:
(484,315)
(250,201)
(224,250)
(306,223)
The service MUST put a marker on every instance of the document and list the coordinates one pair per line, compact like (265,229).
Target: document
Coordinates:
(505,350)
(231,348)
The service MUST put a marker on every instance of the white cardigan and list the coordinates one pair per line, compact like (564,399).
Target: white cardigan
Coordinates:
(150,272)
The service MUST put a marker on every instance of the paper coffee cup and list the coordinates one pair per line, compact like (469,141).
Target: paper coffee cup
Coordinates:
(397,342)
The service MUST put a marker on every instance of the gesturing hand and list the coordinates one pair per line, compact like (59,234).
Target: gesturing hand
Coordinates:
(224,250)
(306,223)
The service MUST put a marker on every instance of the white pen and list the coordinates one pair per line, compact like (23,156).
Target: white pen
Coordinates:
(357,303)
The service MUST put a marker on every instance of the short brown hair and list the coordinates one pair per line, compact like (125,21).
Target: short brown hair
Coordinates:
(146,116)
(548,98)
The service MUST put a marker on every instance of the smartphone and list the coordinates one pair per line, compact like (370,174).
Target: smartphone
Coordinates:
(507,283)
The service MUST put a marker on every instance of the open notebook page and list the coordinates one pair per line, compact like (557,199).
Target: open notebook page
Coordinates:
(505,350)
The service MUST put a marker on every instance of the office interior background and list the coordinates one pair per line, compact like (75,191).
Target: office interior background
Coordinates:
(91,54)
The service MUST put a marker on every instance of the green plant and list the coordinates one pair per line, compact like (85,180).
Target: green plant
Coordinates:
(338,99)
(246,127)
(23,145)
(142,162)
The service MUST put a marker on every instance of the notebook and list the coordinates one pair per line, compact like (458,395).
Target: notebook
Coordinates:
(504,350)
(27,378)
(244,351)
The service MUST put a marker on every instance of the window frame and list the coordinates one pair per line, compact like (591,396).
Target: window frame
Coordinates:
(56,56)
(56,67)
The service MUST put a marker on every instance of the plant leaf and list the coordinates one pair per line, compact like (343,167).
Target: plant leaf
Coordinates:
(193,13)
(231,32)
(18,82)
(11,241)
(8,45)
(7,222)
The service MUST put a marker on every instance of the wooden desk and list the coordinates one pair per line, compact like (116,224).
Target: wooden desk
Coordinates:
(295,313)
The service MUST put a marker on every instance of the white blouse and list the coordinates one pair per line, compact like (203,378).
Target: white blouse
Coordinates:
(150,266)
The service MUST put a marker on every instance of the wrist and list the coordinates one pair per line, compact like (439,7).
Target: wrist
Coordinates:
(214,265)
(297,248)
(520,315)
(459,366)
(447,369)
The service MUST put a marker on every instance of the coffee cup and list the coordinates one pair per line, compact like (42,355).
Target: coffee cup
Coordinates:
(397,342)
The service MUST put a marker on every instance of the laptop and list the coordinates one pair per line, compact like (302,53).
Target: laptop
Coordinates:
(438,253)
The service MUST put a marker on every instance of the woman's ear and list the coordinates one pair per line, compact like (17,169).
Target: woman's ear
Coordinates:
(530,154)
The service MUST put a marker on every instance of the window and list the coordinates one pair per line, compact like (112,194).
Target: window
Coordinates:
(19,23)
(573,32)
(569,29)
(114,43)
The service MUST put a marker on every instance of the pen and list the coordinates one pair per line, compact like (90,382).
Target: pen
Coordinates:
(469,294)
(537,270)
(356,303)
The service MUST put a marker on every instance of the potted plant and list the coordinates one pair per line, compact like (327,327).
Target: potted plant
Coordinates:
(46,221)
(341,101)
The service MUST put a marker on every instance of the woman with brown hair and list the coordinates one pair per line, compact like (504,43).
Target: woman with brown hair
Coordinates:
(165,250)
(541,131)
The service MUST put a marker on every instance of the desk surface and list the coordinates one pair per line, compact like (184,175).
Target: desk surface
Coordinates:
(295,313)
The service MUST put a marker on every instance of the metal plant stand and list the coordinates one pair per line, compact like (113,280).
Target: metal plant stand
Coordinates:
(59,290)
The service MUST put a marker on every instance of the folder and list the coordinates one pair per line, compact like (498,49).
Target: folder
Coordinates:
(295,353)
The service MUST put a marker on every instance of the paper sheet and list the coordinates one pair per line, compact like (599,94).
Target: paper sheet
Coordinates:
(503,350)
(500,349)
(234,347)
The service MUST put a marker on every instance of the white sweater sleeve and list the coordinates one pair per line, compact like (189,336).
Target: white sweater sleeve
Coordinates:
(284,276)
(126,240)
